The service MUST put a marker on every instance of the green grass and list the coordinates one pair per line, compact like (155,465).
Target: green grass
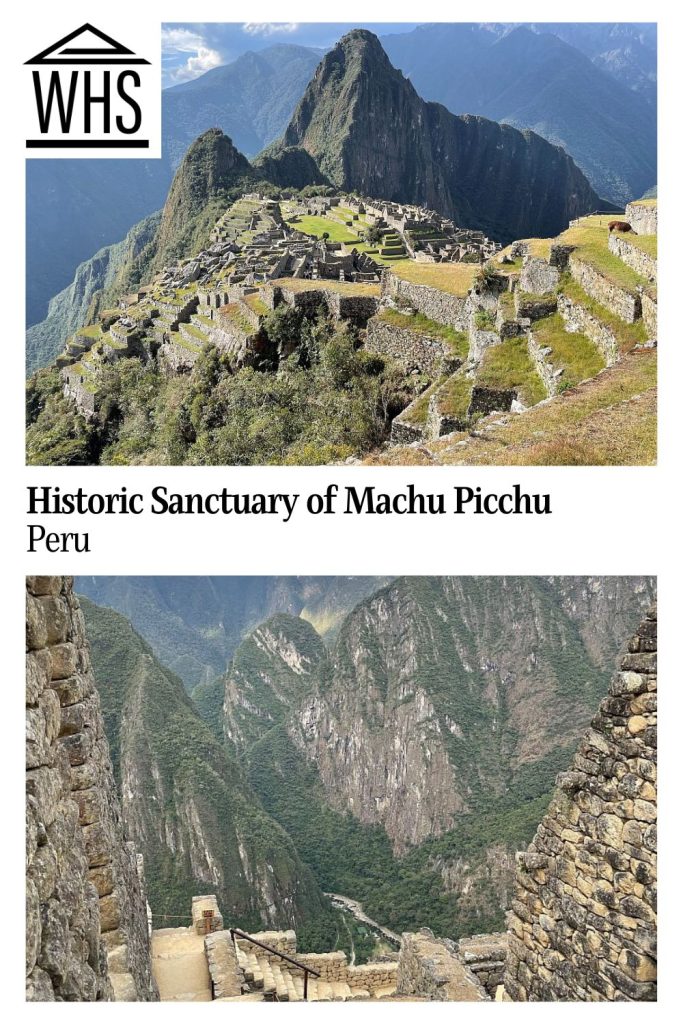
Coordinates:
(195,332)
(91,331)
(177,339)
(590,237)
(453,278)
(87,382)
(454,396)
(627,335)
(506,302)
(509,366)
(457,341)
(574,353)
(232,312)
(610,420)
(644,202)
(646,243)
(257,305)
(302,284)
(318,226)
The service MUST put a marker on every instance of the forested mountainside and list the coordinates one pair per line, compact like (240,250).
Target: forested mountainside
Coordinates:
(428,740)
(404,765)
(194,623)
(106,274)
(187,804)
(367,129)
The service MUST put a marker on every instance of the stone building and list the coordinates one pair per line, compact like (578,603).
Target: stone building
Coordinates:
(87,927)
(583,923)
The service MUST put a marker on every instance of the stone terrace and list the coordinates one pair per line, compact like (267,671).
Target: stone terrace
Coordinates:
(205,962)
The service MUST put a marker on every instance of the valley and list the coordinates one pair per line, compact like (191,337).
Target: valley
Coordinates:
(397,763)
(381,818)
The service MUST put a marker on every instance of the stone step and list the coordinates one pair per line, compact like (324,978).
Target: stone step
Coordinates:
(385,992)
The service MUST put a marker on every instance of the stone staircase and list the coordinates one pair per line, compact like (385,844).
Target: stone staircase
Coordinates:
(278,980)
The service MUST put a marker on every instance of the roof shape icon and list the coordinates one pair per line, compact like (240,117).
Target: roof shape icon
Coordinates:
(88,48)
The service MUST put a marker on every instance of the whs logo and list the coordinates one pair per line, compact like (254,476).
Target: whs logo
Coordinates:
(92,93)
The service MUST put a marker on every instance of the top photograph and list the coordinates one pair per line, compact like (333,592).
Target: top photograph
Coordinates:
(377,244)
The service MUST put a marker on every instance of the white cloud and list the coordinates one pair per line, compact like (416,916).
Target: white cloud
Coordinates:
(182,40)
(269,28)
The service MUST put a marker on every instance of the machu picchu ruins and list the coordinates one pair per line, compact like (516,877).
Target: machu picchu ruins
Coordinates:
(483,332)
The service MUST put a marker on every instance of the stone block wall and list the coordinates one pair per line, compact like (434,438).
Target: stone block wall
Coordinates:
(578,319)
(452,310)
(538,277)
(356,308)
(87,932)
(649,302)
(642,219)
(227,978)
(619,301)
(284,942)
(485,956)
(430,968)
(583,921)
(413,349)
(177,358)
(206,917)
(633,257)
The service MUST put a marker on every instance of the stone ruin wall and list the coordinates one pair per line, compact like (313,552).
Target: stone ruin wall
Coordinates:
(578,319)
(642,218)
(87,929)
(582,924)
(430,968)
(411,348)
(623,303)
(452,310)
(633,257)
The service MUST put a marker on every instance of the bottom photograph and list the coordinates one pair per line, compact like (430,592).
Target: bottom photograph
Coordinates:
(339,788)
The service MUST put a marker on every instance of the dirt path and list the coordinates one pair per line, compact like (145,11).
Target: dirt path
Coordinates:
(180,966)
(356,909)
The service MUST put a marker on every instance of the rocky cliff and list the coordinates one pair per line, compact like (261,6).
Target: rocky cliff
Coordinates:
(428,739)
(185,801)
(96,280)
(367,129)
(87,935)
(444,693)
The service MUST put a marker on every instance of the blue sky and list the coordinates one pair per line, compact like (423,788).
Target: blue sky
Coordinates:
(191,48)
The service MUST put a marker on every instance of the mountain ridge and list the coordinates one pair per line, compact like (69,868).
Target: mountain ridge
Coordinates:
(367,130)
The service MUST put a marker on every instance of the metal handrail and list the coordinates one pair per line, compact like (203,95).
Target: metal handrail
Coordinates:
(276,952)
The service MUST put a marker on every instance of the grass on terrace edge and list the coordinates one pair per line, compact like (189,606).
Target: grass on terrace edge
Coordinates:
(509,366)
(610,420)
(303,284)
(574,353)
(453,278)
(627,335)
(416,413)
(457,341)
(454,396)
(590,237)
(318,226)
(646,243)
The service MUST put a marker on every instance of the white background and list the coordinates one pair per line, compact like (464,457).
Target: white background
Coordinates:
(605,520)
